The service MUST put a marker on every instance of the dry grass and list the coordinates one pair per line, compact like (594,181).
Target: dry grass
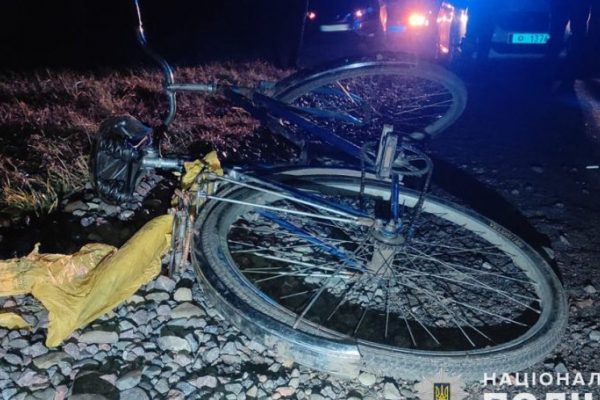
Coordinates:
(48,119)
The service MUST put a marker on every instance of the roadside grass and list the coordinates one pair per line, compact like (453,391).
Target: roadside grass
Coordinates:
(48,120)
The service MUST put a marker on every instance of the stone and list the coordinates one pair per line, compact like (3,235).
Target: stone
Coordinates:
(183,294)
(110,378)
(185,387)
(135,299)
(206,381)
(134,394)
(255,346)
(158,297)
(129,380)
(183,359)
(107,337)
(252,392)
(152,371)
(18,344)
(175,395)
(72,349)
(164,310)
(164,283)
(85,362)
(75,206)
(37,349)
(109,209)
(29,378)
(390,392)
(126,215)
(173,343)
(561,368)
(589,289)
(594,336)
(231,359)
(367,379)
(235,387)
(187,310)
(13,359)
(162,386)
(87,221)
(47,360)
(45,394)
(211,355)
(229,348)
(8,393)
(140,317)
(286,391)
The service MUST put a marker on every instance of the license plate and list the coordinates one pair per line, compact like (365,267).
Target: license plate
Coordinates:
(335,28)
(528,38)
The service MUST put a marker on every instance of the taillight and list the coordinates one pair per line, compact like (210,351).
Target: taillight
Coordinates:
(417,20)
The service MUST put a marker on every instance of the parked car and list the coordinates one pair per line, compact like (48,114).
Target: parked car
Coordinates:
(520,29)
(428,28)
(360,17)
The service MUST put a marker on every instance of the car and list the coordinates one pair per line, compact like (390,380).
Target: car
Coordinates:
(427,28)
(521,29)
(359,17)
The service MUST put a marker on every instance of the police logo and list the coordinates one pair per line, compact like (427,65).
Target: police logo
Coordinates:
(440,387)
(441,391)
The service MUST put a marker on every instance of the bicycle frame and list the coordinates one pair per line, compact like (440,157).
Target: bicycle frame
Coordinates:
(268,109)
(258,104)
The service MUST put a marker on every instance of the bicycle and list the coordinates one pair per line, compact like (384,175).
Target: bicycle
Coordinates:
(344,268)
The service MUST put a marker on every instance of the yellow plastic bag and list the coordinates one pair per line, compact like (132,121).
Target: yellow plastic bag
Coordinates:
(13,321)
(76,289)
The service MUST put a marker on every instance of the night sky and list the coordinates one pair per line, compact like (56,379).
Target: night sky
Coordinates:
(90,33)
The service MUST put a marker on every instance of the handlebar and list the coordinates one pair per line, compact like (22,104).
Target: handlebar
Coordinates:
(169,79)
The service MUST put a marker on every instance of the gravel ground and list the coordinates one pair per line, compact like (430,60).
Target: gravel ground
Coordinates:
(167,342)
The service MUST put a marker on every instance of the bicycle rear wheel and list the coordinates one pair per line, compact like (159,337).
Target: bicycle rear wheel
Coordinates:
(461,293)
(354,99)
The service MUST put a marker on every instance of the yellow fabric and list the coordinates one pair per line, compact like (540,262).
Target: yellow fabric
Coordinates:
(195,176)
(76,289)
(13,321)
(17,276)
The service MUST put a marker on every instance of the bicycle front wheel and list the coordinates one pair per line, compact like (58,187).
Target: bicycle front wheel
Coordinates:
(354,99)
(451,291)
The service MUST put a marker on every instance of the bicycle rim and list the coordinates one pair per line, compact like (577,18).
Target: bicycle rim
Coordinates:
(355,100)
(464,294)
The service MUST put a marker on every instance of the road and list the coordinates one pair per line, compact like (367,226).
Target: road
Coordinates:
(529,143)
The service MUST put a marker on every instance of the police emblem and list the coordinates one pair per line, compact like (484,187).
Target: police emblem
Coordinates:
(440,387)
(441,391)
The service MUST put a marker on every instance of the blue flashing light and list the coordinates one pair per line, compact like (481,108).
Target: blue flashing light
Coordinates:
(397,28)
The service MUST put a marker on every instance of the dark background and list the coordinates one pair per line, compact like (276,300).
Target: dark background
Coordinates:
(92,33)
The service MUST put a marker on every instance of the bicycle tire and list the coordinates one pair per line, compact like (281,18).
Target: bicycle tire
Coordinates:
(428,97)
(259,313)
